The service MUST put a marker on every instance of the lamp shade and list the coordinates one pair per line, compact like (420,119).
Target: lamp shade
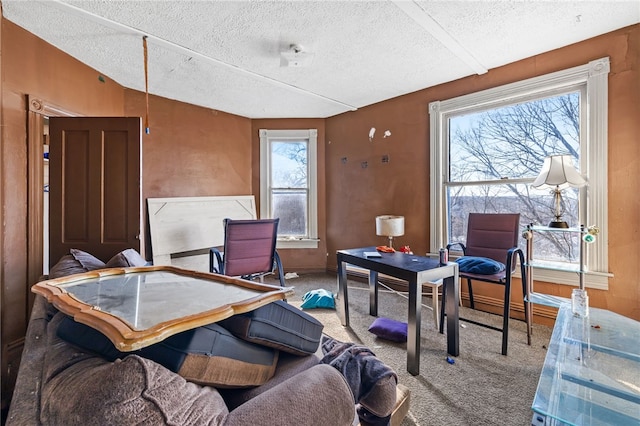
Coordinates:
(390,226)
(558,171)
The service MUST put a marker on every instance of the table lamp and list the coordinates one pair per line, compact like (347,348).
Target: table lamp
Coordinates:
(558,173)
(390,226)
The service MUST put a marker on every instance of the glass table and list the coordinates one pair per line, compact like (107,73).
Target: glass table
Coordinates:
(591,373)
(136,307)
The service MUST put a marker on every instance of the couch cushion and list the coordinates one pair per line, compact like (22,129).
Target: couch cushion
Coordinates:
(126,258)
(208,355)
(278,325)
(131,390)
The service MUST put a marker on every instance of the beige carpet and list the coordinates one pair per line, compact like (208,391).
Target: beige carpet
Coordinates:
(482,387)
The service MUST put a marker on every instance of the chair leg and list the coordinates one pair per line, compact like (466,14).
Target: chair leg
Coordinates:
(443,303)
(276,258)
(471,304)
(527,306)
(434,302)
(505,319)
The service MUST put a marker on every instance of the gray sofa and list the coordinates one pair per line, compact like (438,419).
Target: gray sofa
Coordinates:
(59,384)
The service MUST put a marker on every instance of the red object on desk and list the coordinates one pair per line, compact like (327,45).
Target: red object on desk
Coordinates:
(386,249)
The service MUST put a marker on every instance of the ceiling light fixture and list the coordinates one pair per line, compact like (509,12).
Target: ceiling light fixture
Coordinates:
(295,56)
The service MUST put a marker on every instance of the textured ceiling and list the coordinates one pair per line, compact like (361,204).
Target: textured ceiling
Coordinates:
(225,55)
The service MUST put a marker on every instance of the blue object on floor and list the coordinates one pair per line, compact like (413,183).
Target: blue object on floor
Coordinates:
(320,298)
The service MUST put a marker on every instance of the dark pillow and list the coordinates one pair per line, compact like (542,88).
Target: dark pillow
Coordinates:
(76,262)
(389,329)
(88,261)
(67,265)
(278,325)
(479,265)
(207,355)
(126,258)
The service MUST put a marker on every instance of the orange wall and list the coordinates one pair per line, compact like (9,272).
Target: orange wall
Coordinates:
(32,67)
(355,195)
(190,151)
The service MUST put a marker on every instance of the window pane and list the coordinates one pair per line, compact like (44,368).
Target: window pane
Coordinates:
(291,208)
(289,164)
(512,141)
(534,205)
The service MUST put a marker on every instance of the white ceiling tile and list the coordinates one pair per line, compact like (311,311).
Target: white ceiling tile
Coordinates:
(225,55)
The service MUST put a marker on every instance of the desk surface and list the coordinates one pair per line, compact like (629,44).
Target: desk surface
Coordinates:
(591,373)
(399,265)
(136,307)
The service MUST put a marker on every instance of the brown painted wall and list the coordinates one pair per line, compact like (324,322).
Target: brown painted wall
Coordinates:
(297,260)
(32,67)
(355,194)
(191,151)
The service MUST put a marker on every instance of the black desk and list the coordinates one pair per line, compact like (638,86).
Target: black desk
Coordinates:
(415,270)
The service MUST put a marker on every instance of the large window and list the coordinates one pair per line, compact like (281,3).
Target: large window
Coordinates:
(488,147)
(288,184)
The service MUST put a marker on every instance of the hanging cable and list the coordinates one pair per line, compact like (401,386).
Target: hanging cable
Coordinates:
(146,83)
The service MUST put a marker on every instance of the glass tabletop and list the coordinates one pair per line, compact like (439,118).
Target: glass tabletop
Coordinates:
(136,307)
(143,299)
(591,373)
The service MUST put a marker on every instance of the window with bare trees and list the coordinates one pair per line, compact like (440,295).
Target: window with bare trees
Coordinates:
(489,146)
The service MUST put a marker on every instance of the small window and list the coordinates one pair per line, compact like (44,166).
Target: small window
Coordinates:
(288,184)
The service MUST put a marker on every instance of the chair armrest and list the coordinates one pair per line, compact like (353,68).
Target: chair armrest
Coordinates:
(319,395)
(461,245)
(215,261)
(511,254)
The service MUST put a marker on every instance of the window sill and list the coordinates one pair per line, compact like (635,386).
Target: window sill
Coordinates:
(592,279)
(595,280)
(302,243)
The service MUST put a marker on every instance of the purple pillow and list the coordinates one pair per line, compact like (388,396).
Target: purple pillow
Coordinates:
(128,257)
(389,329)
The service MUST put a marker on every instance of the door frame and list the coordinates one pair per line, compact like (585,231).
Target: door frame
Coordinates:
(38,110)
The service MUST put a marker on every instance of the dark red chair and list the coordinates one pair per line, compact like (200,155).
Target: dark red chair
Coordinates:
(494,236)
(249,250)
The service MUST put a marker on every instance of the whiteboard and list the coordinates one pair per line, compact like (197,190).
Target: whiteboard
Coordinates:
(184,228)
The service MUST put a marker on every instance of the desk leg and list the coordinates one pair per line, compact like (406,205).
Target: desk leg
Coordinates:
(373,293)
(451,307)
(413,328)
(343,296)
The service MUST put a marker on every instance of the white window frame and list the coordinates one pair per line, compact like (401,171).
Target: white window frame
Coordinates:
(266,136)
(593,158)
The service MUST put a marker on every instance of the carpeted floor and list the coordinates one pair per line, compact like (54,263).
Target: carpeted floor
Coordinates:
(482,387)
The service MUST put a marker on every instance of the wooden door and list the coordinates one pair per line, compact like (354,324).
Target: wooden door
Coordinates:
(94,185)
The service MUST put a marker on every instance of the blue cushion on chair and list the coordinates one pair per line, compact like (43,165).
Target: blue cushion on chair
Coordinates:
(479,265)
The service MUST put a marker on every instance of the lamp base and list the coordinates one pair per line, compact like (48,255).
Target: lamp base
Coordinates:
(558,224)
